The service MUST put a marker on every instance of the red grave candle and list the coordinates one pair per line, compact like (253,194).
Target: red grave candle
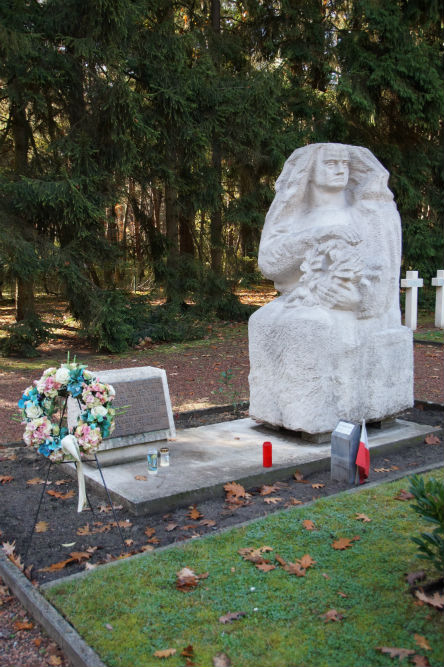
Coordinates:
(267,454)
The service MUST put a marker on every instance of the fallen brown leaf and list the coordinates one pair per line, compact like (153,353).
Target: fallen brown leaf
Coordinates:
(436,600)
(362,517)
(332,615)
(149,532)
(266,489)
(171,526)
(194,513)
(207,522)
(382,469)
(41,527)
(54,660)
(420,660)
(188,579)
(231,616)
(22,625)
(165,653)
(59,482)
(404,495)
(293,501)
(413,577)
(342,544)
(299,477)
(422,642)
(221,660)
(188,651)
(265,567)
(432,439)
(308,524)
(4,479)
(129,542)
(342,595)
(295,568)
(61,496)
(400,653)
(273,500)
(317,486)
(141,478)
(35,480)
(307,561)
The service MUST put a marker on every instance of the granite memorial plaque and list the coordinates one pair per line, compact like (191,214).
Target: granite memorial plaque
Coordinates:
(344,448)
(147,417)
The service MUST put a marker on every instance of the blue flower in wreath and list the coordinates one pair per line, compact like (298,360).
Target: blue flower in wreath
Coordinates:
(50,445)
(75,384)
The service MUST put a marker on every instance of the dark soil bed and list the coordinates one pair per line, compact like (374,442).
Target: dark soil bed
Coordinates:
(97,540)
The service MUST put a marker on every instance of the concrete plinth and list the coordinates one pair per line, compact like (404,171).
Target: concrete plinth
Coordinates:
(203,459)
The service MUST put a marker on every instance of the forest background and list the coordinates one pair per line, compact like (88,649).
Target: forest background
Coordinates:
(140,141)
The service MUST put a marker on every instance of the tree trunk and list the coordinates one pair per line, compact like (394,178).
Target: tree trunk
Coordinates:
(216,227)
(24,299)
(172,234)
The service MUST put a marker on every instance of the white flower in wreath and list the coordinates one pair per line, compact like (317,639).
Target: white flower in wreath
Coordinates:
(111,390)
(33,411)
(62,375)
(99,411)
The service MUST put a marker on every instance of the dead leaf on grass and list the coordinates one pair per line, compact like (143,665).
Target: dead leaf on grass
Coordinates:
(342,544)
(307,561)
(231,616)
(221,660)
(393,652)
(420,660)
(436,600)
(164,653)
(308,524)
(422,642)
(265,567)
(41,527)
(332,615)
(362,517)
(188,579)
(404,495)
(413,577)
(342,595)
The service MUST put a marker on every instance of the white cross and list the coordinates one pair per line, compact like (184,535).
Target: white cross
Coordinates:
(438,282)
(411,282)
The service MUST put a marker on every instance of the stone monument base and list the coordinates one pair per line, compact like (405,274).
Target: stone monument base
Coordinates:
(311,368)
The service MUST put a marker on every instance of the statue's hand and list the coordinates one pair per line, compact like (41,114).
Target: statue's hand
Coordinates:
(341,294)
(341,232)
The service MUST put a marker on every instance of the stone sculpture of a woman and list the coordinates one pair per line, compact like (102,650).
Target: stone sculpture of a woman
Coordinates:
(331,346)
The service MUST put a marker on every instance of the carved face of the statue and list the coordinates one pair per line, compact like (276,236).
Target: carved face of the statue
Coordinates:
(331,168)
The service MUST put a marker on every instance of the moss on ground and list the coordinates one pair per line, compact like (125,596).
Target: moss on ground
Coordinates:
(128,611)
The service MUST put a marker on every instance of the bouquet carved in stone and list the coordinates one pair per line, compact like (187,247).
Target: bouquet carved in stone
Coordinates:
(331,346)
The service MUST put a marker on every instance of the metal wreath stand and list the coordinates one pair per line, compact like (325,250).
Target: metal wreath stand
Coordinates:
(50,464)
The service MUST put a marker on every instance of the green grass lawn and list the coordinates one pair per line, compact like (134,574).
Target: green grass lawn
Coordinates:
(128,611)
